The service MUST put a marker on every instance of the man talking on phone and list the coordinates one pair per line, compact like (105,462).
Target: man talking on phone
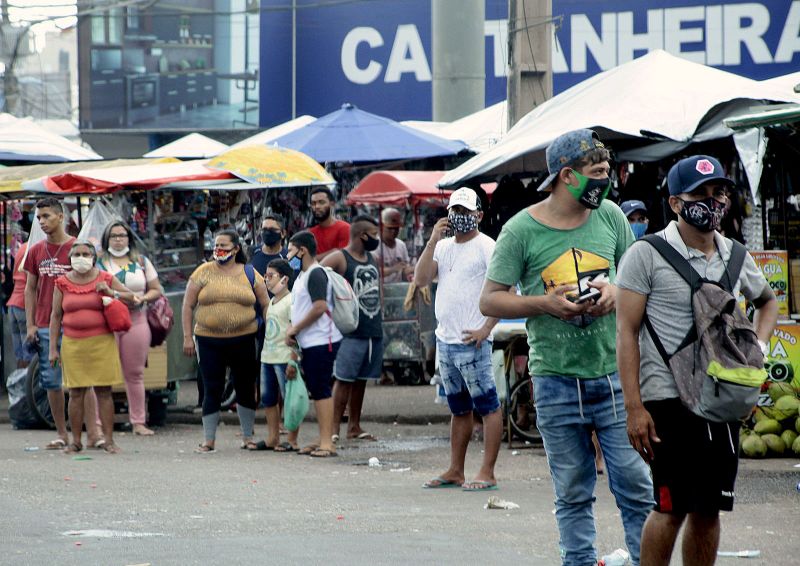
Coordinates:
(563,253)
(463,336)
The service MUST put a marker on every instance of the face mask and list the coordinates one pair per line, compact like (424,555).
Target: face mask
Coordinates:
(705,215)
(462,223)
(119,253)
(223,256)
(270,238)
(295,262)
(639,229)
(590,192)
(81,264)
(371,243)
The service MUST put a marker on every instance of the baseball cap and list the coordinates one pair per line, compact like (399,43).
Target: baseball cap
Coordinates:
(567,148)
(630,206)
(465,197)
(691,172)
(391,218)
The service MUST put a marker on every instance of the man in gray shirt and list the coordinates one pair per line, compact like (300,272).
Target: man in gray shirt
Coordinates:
(694,461)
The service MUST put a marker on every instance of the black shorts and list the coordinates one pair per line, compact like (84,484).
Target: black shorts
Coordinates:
(694,466)
(317,366)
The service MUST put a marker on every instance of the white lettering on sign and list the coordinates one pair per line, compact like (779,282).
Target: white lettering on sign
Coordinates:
(713,35)
(408,54)
(352,40)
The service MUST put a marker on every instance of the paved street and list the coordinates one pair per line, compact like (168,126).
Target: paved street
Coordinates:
(158,503)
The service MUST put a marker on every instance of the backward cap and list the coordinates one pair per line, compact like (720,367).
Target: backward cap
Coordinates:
(568,148)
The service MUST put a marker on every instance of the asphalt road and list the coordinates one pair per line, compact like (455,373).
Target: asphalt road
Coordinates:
(159,503)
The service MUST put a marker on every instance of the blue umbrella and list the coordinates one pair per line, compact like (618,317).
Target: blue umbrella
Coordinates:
(351,135)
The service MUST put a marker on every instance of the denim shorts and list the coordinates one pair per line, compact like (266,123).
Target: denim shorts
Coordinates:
(317,367)
(467,377)
(359,358)
(49,376)
(273,384)
(19,329)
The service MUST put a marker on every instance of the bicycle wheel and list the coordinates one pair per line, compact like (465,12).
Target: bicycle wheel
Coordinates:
(38,396)
(521,407)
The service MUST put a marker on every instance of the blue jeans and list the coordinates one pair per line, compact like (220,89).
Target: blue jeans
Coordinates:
(273,384)
(468,377)
(49,376)
(19,329)
(567,410)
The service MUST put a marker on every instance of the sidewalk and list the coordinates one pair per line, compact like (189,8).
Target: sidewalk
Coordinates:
(382,403)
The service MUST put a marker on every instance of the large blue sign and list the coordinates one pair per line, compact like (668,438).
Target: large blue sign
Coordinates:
(758,39)
(377,53)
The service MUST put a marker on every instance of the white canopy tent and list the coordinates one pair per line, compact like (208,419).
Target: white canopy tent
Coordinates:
(270,135)
(658,96)
(22,139)
(479,131)
(192,146)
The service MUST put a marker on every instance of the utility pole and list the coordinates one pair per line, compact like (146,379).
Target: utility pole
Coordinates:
(459,58)
(10,51)
(530,77)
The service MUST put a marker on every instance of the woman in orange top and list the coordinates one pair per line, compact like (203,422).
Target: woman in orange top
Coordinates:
(89,354)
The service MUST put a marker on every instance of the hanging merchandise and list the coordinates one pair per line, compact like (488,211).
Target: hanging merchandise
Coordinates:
(100,215)
(200,205)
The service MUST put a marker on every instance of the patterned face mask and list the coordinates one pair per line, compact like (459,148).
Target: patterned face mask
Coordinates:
(705,215)
(462,223)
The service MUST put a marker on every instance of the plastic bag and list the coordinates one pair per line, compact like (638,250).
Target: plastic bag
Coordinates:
(100,215)
(117,315)
(20,406)
(295,406)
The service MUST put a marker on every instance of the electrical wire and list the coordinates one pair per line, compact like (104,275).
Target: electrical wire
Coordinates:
(533,57)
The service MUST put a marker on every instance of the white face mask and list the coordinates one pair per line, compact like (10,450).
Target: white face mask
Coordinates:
(81,264)
(119,253)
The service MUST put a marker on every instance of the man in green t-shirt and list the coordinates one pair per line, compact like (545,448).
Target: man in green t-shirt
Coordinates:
(563,253)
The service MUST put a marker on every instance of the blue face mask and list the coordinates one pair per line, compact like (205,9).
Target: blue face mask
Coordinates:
(639,229)
(295,263)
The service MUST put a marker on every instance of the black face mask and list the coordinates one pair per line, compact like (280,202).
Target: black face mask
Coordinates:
(706,215)
(270,238)
(371,244)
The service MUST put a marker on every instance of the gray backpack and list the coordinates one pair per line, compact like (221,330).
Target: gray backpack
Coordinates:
(718,367)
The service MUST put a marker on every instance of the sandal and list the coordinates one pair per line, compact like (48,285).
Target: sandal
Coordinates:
(72,448)
(57,444)
(111,448)
(321,453)
(285,447)
(249,444)
(306,450)
(204,448)
(99,444)
(254,446)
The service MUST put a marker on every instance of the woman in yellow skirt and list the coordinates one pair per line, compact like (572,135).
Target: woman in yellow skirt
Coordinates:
(89,355)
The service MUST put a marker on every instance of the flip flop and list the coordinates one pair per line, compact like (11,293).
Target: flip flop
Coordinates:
(479,485)
(285,447)
(363,436)
(98,444)
(440,483)
(255,446)
(57,444)
(205,449)
(306,450)
(73,448)
(320,453)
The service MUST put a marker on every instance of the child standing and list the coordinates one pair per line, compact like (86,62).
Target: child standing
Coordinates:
(275,354)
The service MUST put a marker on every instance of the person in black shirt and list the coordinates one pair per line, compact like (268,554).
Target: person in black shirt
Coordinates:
(360,357)
(272,236)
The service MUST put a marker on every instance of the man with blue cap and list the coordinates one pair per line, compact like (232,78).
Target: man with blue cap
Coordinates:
(563,253)
(694,461)
(636,212)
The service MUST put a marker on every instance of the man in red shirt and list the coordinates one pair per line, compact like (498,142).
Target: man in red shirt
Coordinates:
(331,234)
(47,260)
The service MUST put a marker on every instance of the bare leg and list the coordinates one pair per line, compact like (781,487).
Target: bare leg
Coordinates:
(598,455)
(341,395)
(492,437)
(460,433)
(700,539)
(324,409)
(56,399)
(658,538)
(93,431)
(76,413)
(273,425)
(356,404)
(106,406)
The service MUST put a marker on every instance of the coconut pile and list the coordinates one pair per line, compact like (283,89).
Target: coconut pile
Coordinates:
(773,430)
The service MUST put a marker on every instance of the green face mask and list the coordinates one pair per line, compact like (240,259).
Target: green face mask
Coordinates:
(590,192)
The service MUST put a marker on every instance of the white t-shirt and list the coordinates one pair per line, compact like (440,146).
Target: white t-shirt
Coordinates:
(135,278)
(462,271)
(391,257)
(322,331)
